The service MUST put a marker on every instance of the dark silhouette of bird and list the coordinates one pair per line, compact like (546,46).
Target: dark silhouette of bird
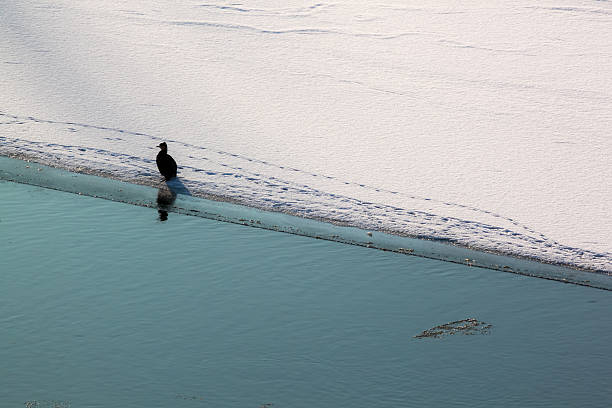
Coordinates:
(165,162)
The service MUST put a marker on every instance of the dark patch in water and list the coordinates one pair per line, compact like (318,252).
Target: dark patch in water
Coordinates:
(469,326)
(47,404)
(189,397)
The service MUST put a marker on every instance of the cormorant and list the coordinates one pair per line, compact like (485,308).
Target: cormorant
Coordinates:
(165,162)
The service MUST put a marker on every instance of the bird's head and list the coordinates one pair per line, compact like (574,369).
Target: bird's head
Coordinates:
(163,146)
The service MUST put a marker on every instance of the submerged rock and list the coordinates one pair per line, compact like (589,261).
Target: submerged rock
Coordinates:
(469,326)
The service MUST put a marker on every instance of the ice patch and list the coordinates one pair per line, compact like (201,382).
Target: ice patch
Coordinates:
(486,126)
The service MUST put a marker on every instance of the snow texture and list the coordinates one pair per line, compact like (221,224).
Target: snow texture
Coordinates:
(484,124)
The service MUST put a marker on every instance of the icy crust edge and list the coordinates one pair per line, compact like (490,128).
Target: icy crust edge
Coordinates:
(172,198)
(225,176)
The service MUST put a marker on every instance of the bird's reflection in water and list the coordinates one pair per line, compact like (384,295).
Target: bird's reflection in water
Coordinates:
(165,200)
(166,195)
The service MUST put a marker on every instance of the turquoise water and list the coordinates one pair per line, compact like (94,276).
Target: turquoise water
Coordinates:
(103,305)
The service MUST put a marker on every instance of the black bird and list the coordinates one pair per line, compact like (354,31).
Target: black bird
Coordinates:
(165,162)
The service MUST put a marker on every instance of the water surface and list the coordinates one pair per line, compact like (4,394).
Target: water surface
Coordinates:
(101,304)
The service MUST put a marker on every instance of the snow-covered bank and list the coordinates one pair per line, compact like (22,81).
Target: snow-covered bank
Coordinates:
(487,125)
